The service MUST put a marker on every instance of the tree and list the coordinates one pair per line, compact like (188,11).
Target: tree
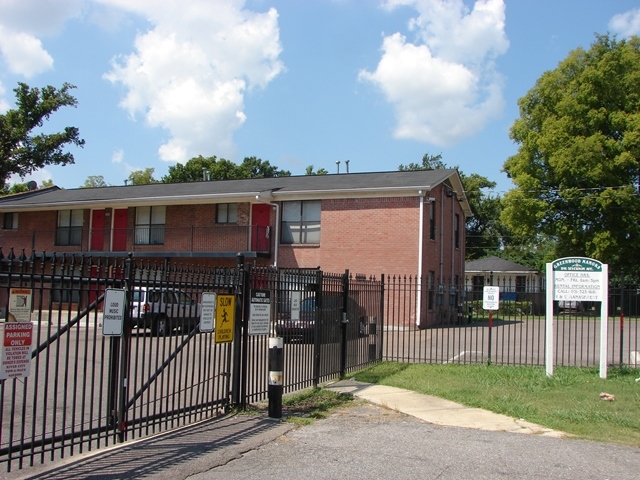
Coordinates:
(429,162)
(94,181)
(252,167)
(142,177)
(320,171)
(485,235)
(576,170)
(213,168)
(22,187)
(22,152)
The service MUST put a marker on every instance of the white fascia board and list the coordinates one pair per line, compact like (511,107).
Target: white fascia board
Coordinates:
(135,202)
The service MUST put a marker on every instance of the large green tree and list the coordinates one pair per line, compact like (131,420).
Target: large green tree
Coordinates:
(577,165)
(213,168)
(142,177)
(94,181)
(21,150)
(484,232)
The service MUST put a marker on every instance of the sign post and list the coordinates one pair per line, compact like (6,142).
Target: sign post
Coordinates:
(491,302)
(577,279)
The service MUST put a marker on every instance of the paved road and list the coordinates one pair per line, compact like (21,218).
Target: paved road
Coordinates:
(361,441)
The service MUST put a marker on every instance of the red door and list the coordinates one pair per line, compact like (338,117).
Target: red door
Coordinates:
(260,218)
(120,217)
(97,230)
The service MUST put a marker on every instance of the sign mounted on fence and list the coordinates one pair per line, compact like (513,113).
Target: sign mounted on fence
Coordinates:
(208,311)
(260,314)
(113,315)
(16,350)
(577,279)
(19,305)
(225,318)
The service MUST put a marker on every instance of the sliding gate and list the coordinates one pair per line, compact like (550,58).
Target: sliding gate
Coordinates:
(84,390)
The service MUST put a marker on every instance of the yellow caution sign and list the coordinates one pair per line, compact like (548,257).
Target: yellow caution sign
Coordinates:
(225,318)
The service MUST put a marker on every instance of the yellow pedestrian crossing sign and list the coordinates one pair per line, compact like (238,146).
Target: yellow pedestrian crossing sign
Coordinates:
(225,318)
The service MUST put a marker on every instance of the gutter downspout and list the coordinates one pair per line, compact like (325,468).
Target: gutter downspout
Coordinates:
(277,239)
(420,248)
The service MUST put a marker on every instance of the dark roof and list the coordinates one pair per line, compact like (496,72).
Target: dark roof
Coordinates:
(271,189)
(496,264)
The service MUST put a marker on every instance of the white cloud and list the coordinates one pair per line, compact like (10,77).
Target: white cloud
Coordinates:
(117,156)
(190,72)
(627,23)
(4,106)
(21,26)
(23,53)
(39,176)
(444,87)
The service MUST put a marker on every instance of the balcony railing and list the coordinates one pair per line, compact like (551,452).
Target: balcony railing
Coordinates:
(156,238)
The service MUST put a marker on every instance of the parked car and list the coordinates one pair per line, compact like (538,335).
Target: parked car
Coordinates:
(567,306)
(163,310)
(304,328)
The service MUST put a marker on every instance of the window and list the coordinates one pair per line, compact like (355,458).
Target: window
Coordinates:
(432,221)
(301,222)
(521,283)
(456,231)
(227,213)
(10,221)
(150,225)
(69,231)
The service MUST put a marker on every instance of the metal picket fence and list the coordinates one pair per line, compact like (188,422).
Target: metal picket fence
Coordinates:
(453,327)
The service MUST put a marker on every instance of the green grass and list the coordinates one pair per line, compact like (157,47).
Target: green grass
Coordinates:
(569,401)
(305,407)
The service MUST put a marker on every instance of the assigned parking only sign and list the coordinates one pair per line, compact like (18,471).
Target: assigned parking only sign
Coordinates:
(225,318)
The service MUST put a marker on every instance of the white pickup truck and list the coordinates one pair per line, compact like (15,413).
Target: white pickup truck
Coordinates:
(163,310)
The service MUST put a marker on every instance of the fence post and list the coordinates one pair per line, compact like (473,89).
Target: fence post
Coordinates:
(621,318)
(276,363)
(344,324)
(125,350)
(236,368)
(316,337)
(243,310)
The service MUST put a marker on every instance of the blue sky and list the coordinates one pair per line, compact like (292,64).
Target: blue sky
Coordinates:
(297,83)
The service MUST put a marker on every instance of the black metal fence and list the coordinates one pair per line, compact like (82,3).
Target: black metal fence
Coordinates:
(452,327)
(84,390)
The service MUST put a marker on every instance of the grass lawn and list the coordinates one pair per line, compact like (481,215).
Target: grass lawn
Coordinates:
(569,401)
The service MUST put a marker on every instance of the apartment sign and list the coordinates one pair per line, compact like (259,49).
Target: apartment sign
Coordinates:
(578,279)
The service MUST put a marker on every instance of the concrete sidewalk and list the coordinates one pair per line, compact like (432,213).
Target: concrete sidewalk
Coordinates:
(438,410)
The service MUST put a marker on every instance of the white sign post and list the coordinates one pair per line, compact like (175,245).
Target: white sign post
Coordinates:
(577,279)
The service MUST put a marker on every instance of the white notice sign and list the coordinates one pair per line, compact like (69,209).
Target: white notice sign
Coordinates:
(16,350)
(20,305)
(578,279)
(260,315)
(208,312)
(113,314)
(491,298)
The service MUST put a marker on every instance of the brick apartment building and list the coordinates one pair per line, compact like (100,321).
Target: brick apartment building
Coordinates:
(407,223)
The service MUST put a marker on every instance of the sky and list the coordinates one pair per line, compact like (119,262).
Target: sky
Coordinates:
(377,83)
